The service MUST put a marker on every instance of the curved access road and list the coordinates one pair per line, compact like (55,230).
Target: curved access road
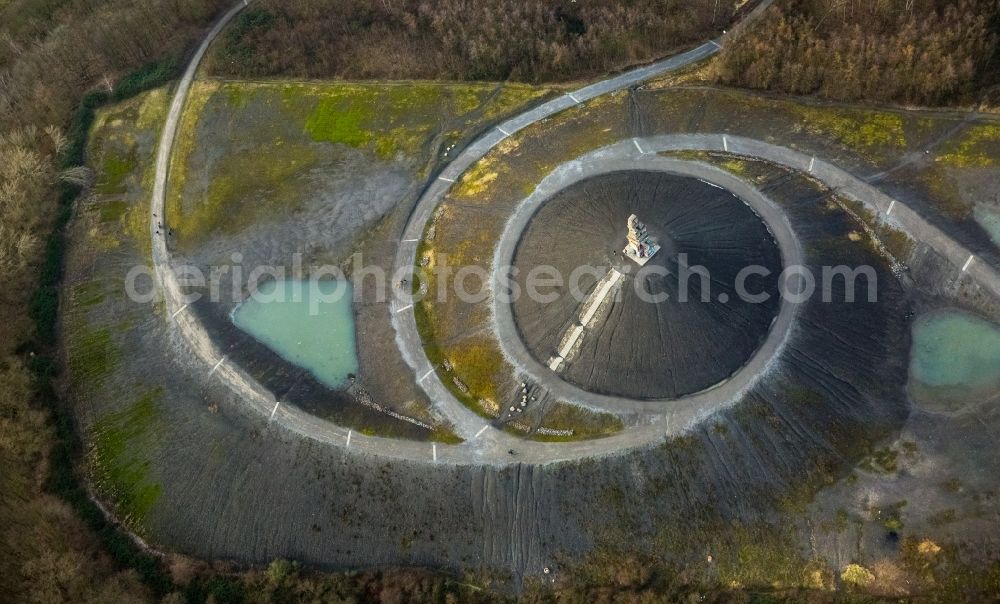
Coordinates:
(484,445)
(638,154)
(633,154)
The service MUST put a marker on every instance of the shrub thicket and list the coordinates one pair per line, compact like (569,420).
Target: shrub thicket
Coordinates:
(57,58)
(524,40)
(926,52)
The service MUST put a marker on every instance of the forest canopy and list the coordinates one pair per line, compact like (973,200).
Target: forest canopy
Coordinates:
(523,40)
(922,52)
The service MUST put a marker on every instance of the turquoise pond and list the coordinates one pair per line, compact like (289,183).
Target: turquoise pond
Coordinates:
(308,323)
(955,360)
(990,220)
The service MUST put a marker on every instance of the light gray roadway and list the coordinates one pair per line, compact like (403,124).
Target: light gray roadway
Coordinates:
(683,412)
(465,421)
(484,445)
(625,155)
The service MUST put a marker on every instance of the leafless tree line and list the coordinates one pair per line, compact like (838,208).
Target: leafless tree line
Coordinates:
(926,52)
(525,40)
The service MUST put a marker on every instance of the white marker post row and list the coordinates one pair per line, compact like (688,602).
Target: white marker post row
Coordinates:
(221,361)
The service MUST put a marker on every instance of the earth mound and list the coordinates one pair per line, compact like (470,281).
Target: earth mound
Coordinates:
(684,322)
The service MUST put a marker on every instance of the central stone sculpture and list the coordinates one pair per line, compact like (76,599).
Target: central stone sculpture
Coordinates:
(641,247)
(631,336)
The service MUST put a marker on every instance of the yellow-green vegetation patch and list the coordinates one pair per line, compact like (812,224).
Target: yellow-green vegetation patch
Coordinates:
(117,166)
(399,117)
(387,118)
(135,223)
(470,368)
(112,210)
(747,168)
(868,131)
(477,362)
(446,435)
(118,158)
(581,129)
(376,116)
(513,96)
(245,188)
(871,133)
(396,120)
(153,109)
(92,352)
(471,363)
(116,458)
(476,179)
(87,294)
(687,155)
(978,147)
(583,423)
(884,460)
(761,557)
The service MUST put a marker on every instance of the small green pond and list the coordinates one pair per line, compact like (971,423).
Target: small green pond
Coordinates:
(308,323)
(989,219)
(955,360)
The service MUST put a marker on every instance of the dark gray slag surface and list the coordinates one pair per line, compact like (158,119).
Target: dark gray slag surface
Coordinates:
(690,341)
(238,485)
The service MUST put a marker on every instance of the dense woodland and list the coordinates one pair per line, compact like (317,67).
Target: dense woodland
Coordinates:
(58,59)
(54,545)
(524,40)
(923,52)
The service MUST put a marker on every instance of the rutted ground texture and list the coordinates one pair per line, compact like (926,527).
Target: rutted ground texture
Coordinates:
(697,333)
(791,486)
(295,176)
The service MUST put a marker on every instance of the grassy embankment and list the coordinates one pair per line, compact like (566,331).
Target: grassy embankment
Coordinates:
(456,335)
(97,352)
(119,205)
(464,231)
(267,172)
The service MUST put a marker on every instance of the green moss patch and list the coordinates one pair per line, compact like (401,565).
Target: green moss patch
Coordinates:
(115,457)
(584,423)
(92,352)
(87,294)
(115,169)
(112,210)
(978,147)
(276,132)
(869,132)
(244,189)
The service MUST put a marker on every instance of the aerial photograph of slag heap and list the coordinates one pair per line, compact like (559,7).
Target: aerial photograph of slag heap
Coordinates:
(500,301)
